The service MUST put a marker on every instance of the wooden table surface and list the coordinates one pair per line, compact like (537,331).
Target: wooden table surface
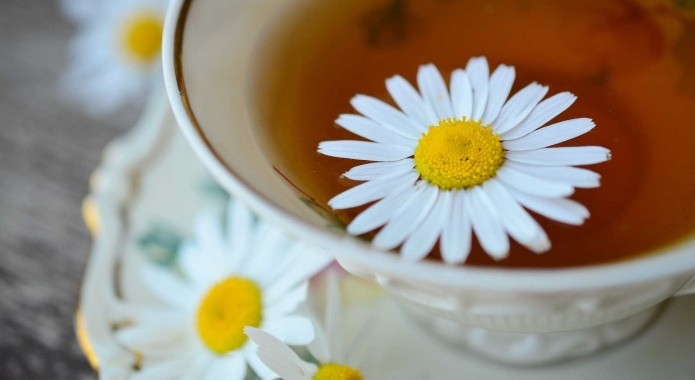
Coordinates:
(48,148)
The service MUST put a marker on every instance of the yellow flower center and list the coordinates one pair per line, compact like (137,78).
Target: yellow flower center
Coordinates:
(458,154)
(226,309)
(333,371)
(141,36)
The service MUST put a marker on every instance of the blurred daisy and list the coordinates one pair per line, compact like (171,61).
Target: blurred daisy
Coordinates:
(335,361)
(460,160)
(116,53)
(249,275)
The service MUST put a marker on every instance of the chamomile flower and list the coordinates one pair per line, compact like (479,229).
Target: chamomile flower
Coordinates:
(335,361)
(249,275)
(460,160)
(116,52)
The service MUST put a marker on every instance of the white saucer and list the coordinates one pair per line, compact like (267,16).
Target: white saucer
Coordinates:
(142,201)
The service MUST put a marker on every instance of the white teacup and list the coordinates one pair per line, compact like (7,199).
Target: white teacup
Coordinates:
(519,316)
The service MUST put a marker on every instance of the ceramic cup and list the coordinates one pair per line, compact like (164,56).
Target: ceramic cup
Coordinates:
(516,316)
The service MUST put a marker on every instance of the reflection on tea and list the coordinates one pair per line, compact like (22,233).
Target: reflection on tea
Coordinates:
(621,58)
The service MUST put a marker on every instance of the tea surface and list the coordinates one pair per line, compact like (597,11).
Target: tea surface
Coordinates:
(631,64)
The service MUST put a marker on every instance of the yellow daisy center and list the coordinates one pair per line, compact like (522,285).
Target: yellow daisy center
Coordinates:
(333,371)
(226,309)
(141,36)
(458,154)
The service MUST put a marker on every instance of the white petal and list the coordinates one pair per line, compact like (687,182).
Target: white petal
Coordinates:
(551,135)
(262,371)
(434,91)
(456,236)
(543,113)
(155,339)
(307,262)
(371,191)
(501,82)
(487,224)
(407,218)
(293,330)
(564,156)
(240,222)
(371,130)
(165,369)
(421,242)
(375,170)
(479,73)
(382,211)
(461,94)
(364,150)
(410,102)
(518,223)
(384,114)
(333,321)
(231,367)
(558,209)
(168,288)
(533,185)
(577,177)
(289,302)
(277,356)
(519,107)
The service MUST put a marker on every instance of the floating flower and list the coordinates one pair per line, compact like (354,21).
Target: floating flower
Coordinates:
(116,53)
(249,275)
(460,160)
(355,361)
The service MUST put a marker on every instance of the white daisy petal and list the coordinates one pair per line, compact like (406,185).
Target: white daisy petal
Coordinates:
(368,172)
(559,209)
(576,177)
(519,107)
(289,302)
(434,91)
(167,287)
(501,82)
(421,242)
(407,218)
(293,330)
(518,223)
(410,102)
(487,224)
(382,211)
(364,150)
(371,130)
(551,135)
(564,156)
(456,236)
(543,113)
(239,229)
(461,94)
(308,261)
(385,114)
(479,74)
(155,339)
(277,356)
(533,185)
(230,367)
(333,317)
(170,369)
(370,191)
(256,364)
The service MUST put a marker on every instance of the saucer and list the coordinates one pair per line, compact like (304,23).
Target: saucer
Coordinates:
(142,201)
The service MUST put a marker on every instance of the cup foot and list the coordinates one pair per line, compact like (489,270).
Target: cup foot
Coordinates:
(534,349)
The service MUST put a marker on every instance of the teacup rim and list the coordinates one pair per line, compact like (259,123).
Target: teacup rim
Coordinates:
(671,260)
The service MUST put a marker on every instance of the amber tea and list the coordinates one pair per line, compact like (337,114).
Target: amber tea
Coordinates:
(631,63)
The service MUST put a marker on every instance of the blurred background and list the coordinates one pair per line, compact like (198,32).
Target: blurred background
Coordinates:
(48,148)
